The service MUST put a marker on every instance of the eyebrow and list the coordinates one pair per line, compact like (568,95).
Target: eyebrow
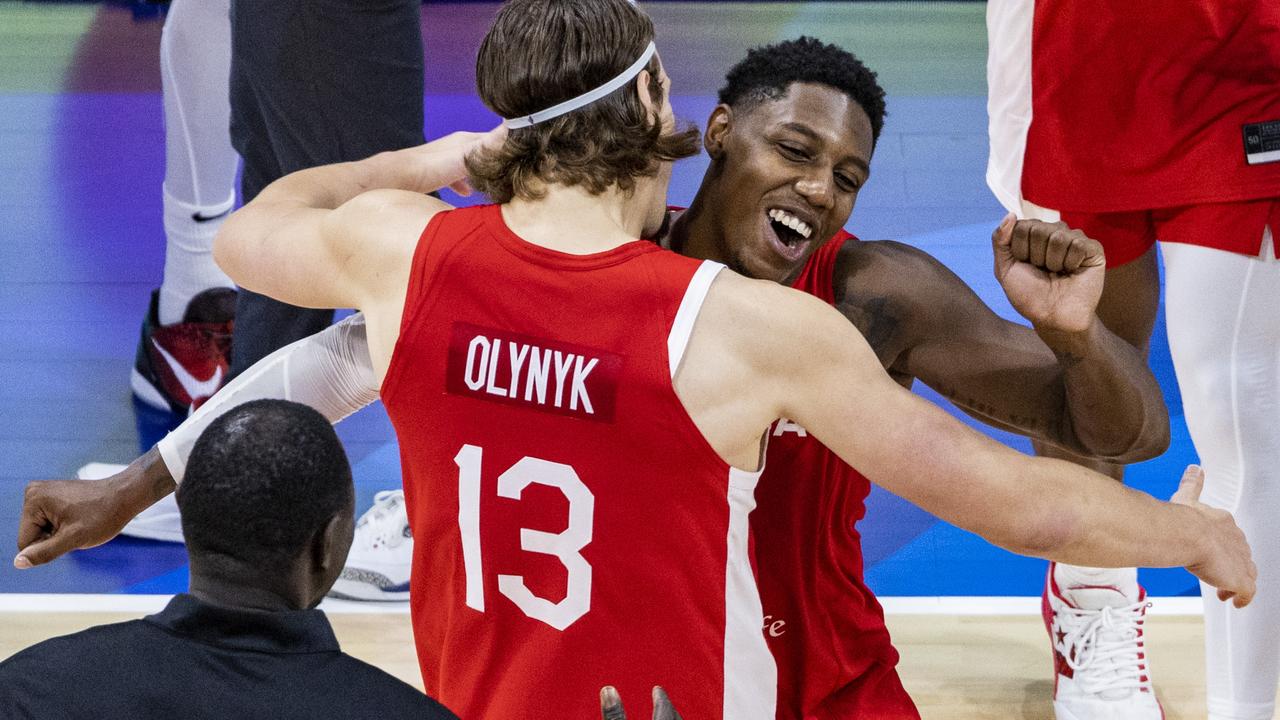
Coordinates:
(808,132)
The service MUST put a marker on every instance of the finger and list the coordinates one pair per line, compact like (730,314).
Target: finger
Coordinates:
(34,523)
(1020,242)
(1055,256)
(1039,237)
(461,187)
(611,704)
(662,707)
(495,137)
(1190,486)
(1078,253)
(1003,234)
(44,550)
(1001,237)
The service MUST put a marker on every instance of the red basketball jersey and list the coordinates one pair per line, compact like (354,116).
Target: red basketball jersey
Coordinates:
(572,527)
(1135,105)
(822,623)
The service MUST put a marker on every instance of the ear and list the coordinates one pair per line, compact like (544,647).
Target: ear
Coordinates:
(331,545)
(718,127)
(642,91)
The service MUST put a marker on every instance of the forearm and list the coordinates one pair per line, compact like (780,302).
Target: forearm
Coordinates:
(1071,514)
(329,371)
(327,187)
(1032,506)
(1113,407)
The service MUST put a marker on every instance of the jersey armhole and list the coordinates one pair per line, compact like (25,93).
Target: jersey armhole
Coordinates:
(414,296)
(687,315)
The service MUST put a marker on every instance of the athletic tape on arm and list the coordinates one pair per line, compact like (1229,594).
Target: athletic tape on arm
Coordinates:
(330,371)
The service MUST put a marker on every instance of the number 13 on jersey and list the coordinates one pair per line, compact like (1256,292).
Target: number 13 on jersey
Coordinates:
(565,546)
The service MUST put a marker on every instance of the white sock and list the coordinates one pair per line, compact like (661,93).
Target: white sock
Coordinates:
(200,164)
(1125,580)
(1224,336)
(189,268)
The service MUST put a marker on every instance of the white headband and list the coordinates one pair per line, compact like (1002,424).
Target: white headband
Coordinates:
(586,98)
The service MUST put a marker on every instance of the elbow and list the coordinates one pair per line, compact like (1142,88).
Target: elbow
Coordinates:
(226,248)
(1044,532)
(1151,440)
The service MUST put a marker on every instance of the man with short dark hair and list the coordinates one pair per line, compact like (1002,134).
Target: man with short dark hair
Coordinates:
(266,508)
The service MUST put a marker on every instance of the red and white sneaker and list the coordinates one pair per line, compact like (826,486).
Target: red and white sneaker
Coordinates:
(1099,656)
(179,366)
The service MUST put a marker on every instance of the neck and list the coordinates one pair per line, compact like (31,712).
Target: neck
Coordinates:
(572,220)
(696,233)
(220,589)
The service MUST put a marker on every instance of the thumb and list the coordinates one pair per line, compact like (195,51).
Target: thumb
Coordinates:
(1002,243)
(1189,488)
(662,707)
(42,551)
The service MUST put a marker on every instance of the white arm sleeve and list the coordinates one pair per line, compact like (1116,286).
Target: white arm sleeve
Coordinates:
(330,371)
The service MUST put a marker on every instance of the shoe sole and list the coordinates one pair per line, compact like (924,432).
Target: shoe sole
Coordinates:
(353,590)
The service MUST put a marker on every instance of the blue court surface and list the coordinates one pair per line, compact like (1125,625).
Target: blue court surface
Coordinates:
(81,161)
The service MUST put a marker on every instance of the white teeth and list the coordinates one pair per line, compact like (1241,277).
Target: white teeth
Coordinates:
(792,222)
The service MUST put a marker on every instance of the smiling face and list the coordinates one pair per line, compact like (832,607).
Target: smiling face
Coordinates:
(785,175)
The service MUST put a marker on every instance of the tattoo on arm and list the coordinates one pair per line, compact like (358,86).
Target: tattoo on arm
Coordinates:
(876,319)
(1027,424)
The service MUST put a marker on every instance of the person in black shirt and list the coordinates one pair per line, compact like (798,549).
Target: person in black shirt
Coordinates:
(267,505)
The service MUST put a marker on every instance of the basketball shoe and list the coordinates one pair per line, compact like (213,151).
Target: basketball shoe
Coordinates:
(179,366)
(1099,656)
(158,522)
(381,553)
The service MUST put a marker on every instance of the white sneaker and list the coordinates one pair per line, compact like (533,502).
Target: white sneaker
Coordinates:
(1099,657)
(161,521)
(381,553)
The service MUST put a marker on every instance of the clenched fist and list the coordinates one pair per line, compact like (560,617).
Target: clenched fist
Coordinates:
(1053,275)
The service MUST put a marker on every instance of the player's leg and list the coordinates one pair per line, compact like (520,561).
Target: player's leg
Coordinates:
(351,85)
(1224,334)
(182,355)
(1105,674)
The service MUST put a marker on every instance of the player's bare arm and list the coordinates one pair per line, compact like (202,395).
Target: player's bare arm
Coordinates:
(355,225)
(1069,381)
(786,354)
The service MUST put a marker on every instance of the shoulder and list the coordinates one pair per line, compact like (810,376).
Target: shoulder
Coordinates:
(396,216)
(888,270)
(764,321)
(42,672)
(394,697)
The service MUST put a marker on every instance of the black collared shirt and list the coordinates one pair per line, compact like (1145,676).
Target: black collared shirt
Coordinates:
(196,660)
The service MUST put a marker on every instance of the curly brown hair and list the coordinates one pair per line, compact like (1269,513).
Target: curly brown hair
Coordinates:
(539,53)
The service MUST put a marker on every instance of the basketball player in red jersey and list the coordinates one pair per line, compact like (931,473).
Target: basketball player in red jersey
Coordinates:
(691,367)
(792,112)
(1145,121)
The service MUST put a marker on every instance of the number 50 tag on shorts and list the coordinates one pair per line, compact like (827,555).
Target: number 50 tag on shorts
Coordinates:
(1262,142)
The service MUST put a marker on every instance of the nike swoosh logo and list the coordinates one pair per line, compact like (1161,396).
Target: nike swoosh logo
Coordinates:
(195,388)
(202,218)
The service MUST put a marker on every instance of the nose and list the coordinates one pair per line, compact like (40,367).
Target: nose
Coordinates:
(818,189)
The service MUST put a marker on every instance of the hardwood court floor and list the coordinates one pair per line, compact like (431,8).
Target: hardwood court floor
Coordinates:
(956,668)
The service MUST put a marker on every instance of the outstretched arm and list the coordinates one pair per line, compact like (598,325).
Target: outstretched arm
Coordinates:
(818,371)
(1067,381)
(331,371)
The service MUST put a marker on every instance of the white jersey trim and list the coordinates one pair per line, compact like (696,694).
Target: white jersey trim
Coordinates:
(687,315)
(1009,27)
(750,674)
